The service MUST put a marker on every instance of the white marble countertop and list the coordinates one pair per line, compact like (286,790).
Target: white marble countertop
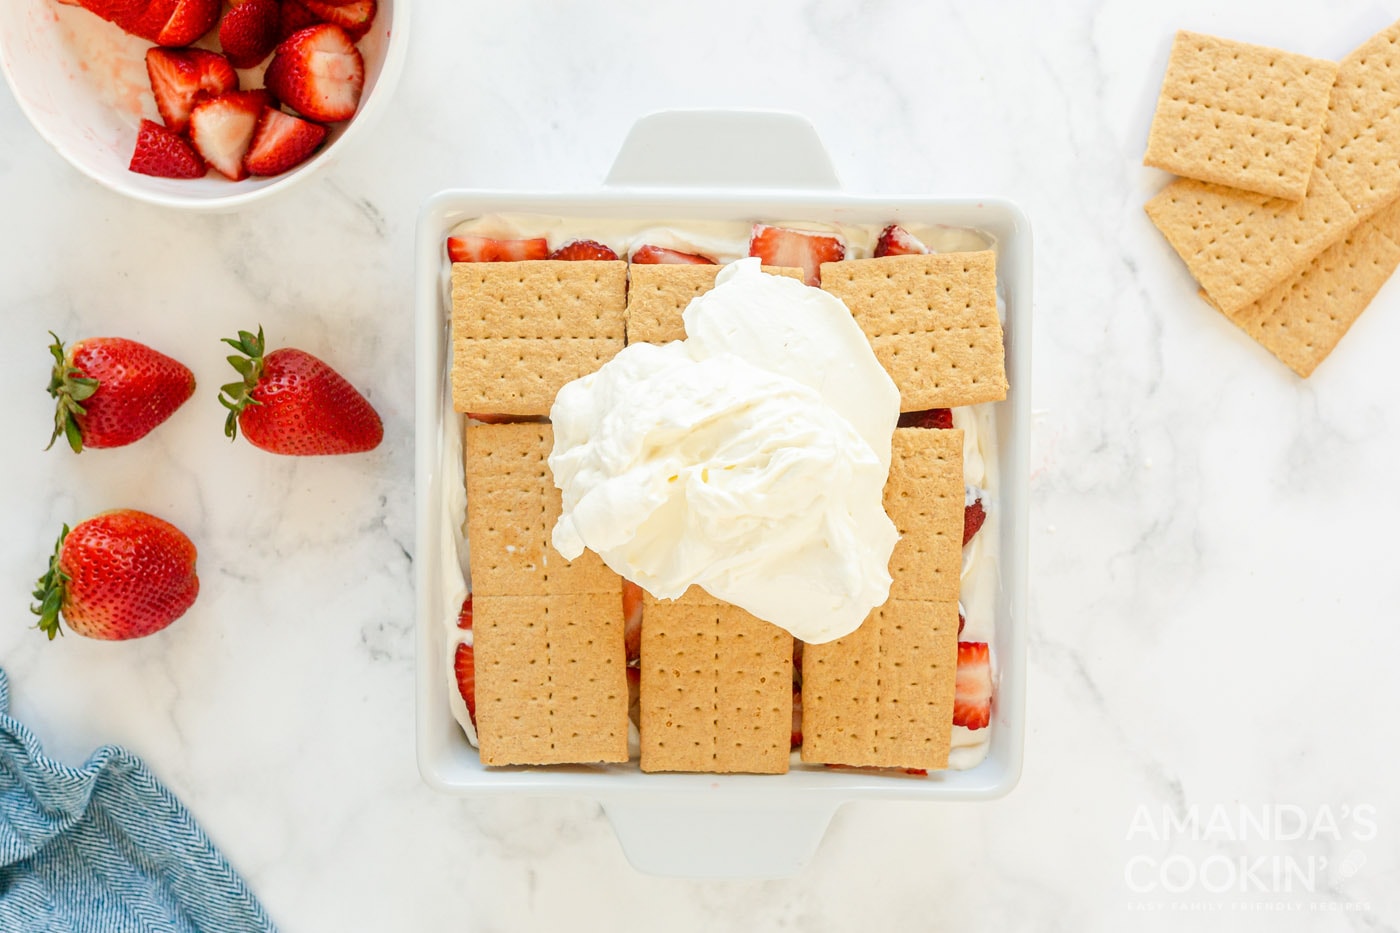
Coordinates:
(1212,600)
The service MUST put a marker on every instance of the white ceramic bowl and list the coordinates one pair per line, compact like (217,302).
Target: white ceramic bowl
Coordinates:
(681,165)
(82,83)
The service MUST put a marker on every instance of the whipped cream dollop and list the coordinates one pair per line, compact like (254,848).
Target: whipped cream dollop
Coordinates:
(749,458)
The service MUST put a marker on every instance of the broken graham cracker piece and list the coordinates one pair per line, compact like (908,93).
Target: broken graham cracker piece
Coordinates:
(882,696)
(551,679)
(512,505)
(932,321)
(1240,115)
(658,294)
(716,691)
(1302,320)
(925,497)
(521,330)
(1238,245)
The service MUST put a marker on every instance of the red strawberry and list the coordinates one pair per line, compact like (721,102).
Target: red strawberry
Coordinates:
(659,255)
(583,249)
(319,73)
(164,154)
(972,698)
(973,517)
(962,622)
(112,391)
(222,129)
(928,418)
(796,716)
(293,17)
(191,19)
(182,77)
(779,246)
(281,141)
(248,32)
(464,662)
(632,613)
(485,249)
(289,402)
(354,16)
(896,241)
(121,574)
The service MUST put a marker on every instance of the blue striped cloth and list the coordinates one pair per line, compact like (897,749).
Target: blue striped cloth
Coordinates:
(105,848)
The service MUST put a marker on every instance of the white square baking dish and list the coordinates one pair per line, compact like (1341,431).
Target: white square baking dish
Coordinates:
(684,165)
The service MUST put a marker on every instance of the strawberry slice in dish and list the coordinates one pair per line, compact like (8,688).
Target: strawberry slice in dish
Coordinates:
(781,246)
(576,250)
(485,249)
(896,241)
(974,515)
(928,418)
(181,78)
(796,716)
(649,255)
(972,697)
(464,662)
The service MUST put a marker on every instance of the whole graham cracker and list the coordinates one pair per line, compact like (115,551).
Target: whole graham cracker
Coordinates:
(658,294)
(1240,115)
(520,330)
(924,497)
(1239,245)
(882,696)
(512,505)
(551,683)
(716,690)
(1301,320)
(932,321)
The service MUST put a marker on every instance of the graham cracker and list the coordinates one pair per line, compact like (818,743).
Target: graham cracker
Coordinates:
(1239,245)
(520,330)
(1301,320)
(658,294)
(924,497)
(1241,115)
(512,505)
(551,682)
(882,696)
(932,321)
(716,692)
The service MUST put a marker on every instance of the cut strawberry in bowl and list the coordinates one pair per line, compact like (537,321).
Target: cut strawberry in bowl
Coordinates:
(280,142)
(486,249)
(181,78)
(354,16)
(248,32)
(221,129)
(319,73)
(165,154)
(660,255)
(798,249)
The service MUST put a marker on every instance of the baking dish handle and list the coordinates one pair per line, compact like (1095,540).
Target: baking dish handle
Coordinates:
(693,839)
(723,149)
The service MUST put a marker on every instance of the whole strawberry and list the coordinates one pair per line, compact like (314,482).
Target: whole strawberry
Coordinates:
(112,391)
(121,574)
(290,402)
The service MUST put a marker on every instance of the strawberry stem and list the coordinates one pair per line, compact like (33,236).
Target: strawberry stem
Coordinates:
(70,387)
(50,592)
(236,396)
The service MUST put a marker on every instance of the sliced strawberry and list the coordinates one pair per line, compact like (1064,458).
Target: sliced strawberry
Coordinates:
(632,613)
(962,622)
(660,255)
(281,141)
(222,128)
(464,617)
(485,249)
(928,418)
(319,73)
(972,698)
(190,20)
(896,241)
(150,21)
(354,16)
(248,32)
(464,664)
(164,154)
(780,246)
(973,517)
(180,78)
(293,17)
(796,716)
(583,249)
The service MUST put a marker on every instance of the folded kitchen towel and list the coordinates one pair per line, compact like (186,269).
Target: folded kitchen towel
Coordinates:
(106,848)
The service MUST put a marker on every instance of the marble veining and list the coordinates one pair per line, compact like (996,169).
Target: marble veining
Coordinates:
(1213,593)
